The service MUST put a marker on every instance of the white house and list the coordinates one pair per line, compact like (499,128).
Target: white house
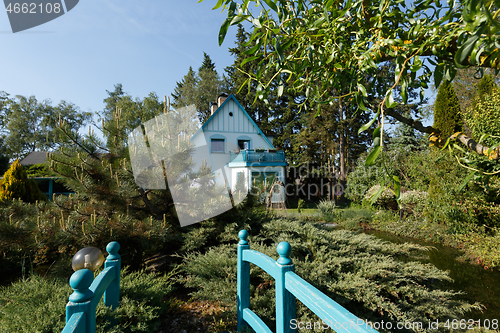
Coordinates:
(238,149)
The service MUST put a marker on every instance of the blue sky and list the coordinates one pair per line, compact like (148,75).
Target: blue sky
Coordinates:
(145,45)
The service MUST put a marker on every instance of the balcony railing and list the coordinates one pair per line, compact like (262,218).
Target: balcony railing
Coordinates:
(251,156)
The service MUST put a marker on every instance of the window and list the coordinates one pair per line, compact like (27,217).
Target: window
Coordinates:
(217,145)
(244,144)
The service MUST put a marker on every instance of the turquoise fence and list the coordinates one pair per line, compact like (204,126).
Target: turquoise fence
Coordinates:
(80,310)
(288,286)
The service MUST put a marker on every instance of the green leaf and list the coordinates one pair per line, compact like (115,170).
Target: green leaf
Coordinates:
(368,124)
(253,49)
(271,5)
(370,160)
(279,50)
(376,195)
(281,87)
(332,56)
(318,22)
(404,91)
(438,74)
(397,188)
(389,101)
(469,177)
(256,23)
(455,146)
(243,84)
(376,133)
(362,89)
(218,4)
(227,22)
(464,51)
(484,136)
(239,18)
(245,5)
(249,59)
(446,144)
(361,104)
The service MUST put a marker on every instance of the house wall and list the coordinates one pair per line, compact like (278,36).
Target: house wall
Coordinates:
(231,129)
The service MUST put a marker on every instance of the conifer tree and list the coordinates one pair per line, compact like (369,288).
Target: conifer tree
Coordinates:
(199,88)
(131,112)
(483,117)
(185,90)
(485,87)
(207,63)
(447,117)
(405,138)
(16,185)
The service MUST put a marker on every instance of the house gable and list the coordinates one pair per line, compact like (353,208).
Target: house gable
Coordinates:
(231,117)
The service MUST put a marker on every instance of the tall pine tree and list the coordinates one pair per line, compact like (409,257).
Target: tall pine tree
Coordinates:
(199,88)
(124,113)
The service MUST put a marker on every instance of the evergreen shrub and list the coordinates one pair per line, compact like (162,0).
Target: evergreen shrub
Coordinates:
(358,271)
(16,185)
(38,304)
(447,117)
(329,210)
(484,118)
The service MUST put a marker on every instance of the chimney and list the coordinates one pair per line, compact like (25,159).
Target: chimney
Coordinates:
(222,97)
(213,108)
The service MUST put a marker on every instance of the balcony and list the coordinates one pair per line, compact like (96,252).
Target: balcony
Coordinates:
(255,157)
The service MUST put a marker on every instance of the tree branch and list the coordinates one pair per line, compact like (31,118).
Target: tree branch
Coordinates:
(435,139)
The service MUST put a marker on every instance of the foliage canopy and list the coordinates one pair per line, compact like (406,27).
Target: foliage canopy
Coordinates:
(340,43)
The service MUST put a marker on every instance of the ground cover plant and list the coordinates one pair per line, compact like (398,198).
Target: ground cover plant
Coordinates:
(37,304)
(358,271)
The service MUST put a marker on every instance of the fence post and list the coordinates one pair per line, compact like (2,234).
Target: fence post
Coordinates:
(80,300)
(285,301)
(243,279)
(112,293)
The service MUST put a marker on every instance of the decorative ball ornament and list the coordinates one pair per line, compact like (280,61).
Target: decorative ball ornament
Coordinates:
(89,257)
(284,249)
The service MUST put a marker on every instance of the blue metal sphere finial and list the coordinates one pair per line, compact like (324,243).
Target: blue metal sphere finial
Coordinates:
(243,235)
(80,281)
(284,249)
(113,248)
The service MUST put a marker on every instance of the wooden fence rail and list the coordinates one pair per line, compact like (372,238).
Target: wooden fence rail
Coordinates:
(289,286)
(80,310)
